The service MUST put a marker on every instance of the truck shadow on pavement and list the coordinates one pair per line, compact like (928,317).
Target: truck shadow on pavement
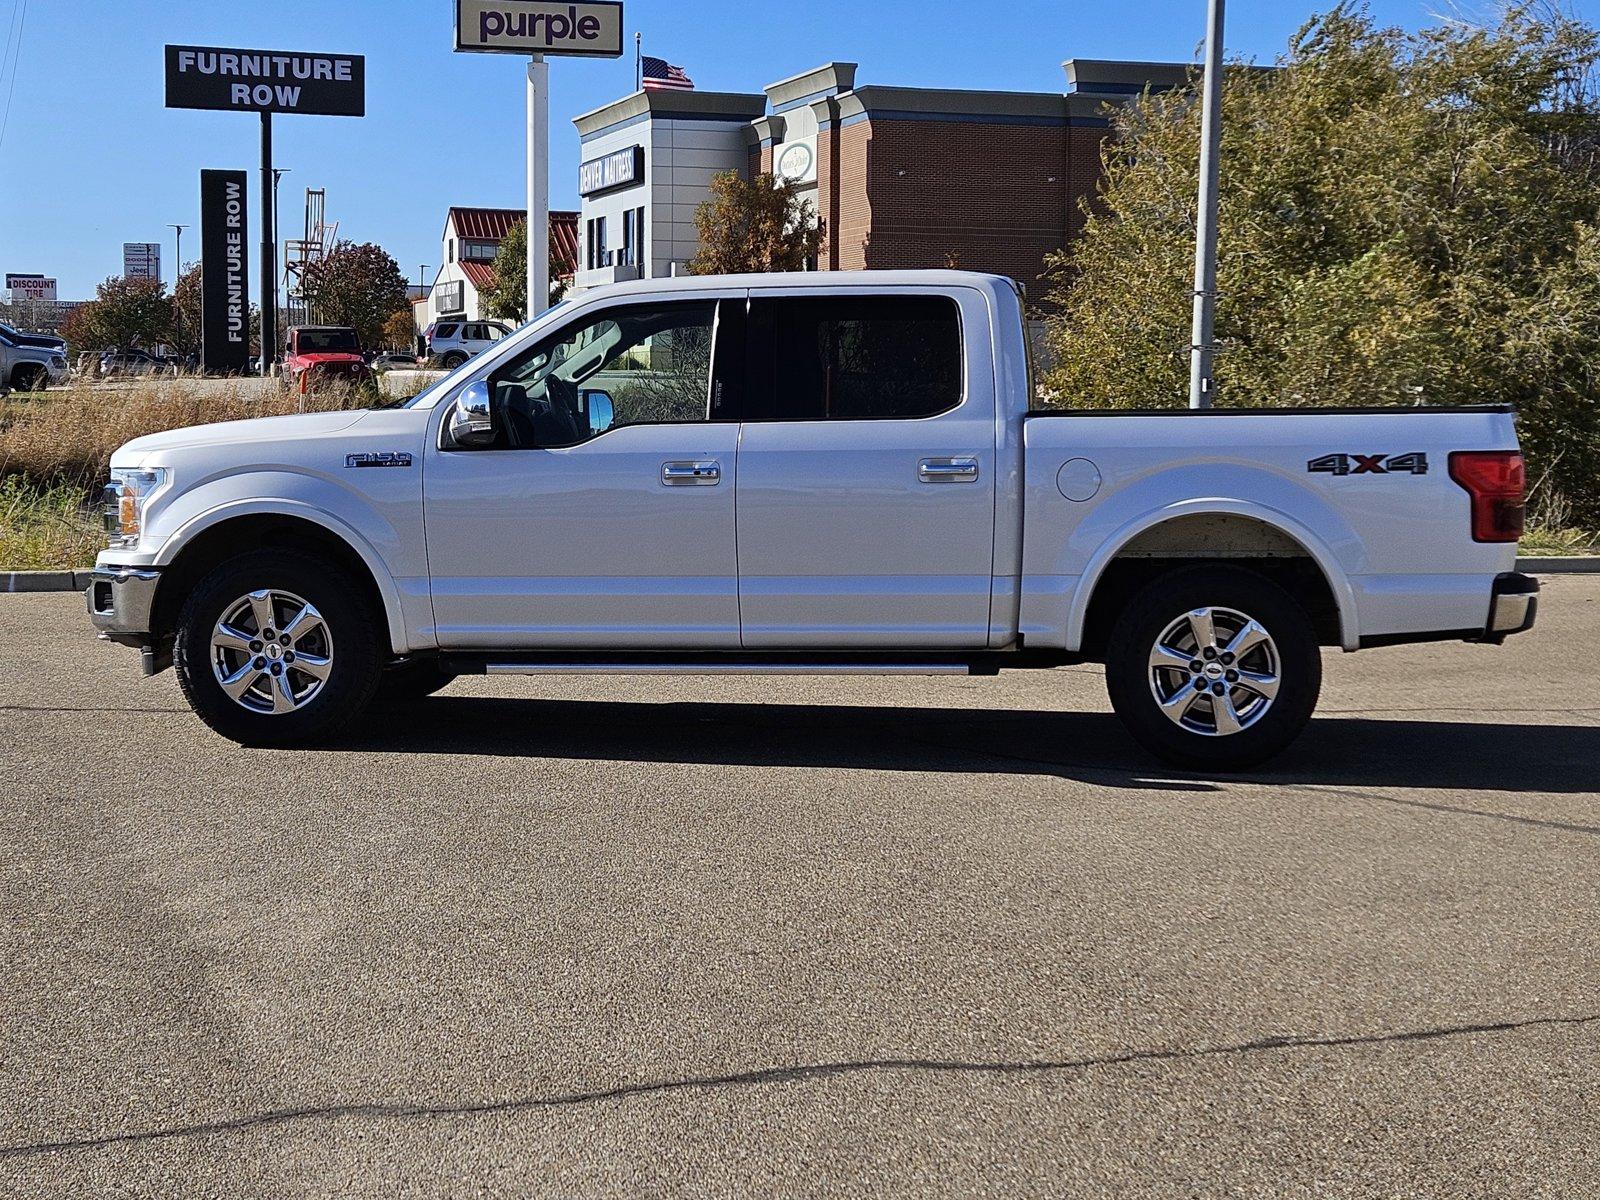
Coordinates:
(1336,752)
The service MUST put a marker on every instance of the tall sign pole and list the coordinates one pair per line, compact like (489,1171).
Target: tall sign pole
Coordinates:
(538,185)
(537,28)
(269,244)
(1203,335)
(223,79)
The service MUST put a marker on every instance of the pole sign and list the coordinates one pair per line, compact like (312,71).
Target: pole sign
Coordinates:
(588,30)
(141,260)
(224,271)
(30,287)
(267,81)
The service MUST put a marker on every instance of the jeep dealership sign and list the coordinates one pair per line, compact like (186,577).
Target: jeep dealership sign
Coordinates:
(224,271)
(214,77)
(590,30)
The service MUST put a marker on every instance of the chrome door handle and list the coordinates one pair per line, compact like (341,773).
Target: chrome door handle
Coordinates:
(948,470)
(691,474)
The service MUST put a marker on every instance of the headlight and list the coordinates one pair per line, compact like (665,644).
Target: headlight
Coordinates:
(125,498)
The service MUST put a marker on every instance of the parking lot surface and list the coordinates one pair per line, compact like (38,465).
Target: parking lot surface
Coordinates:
(811,936)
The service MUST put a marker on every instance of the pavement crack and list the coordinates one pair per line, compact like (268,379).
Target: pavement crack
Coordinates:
(1451,809)
(796,1073)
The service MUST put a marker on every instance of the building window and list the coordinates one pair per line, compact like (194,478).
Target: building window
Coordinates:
(450,250)
(598,255)
(478,250)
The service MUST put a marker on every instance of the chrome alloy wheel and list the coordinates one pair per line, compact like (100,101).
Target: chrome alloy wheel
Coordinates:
(1214,671)
(271,652)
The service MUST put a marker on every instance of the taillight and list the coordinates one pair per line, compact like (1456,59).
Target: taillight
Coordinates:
(1495,480)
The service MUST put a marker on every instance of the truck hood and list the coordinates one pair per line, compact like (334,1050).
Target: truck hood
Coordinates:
(233,433)
(326,356)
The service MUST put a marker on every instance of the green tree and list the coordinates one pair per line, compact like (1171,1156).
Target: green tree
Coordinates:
(507,295)
(399,331)
(355,284)
(1405,218)
(757,225)
(186,310)
(124,312)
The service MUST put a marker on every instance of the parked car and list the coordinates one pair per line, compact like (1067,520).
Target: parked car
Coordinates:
(134,363)
(322,353)
(393,362)
(45,341)
(803,474)
(29,363)
(453,340)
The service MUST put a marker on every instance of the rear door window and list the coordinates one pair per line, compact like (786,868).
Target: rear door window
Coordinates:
(841,358)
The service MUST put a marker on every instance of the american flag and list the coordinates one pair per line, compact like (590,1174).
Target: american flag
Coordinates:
(660,75)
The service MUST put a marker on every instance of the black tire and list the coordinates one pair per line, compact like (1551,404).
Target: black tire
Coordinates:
(1132,678)
(30,377)
(411,681)
(454,359)
(358,647)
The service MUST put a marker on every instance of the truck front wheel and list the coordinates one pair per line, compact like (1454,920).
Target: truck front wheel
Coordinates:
(275,648)
(1214,667)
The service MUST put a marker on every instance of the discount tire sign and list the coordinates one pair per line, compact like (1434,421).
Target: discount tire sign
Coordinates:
(281,81)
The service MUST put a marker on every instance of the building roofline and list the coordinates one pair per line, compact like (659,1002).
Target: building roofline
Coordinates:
(827,80)
(674,105)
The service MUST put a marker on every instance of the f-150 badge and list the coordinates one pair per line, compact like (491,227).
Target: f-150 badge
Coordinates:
(1369,464)
(385,458)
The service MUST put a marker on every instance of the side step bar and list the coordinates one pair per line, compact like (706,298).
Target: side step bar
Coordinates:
(726,668)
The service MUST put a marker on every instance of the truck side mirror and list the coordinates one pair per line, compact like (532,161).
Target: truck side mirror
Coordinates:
(471,420)
(599,409)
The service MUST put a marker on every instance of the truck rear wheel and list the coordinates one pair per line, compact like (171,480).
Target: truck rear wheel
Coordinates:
(1214,667)
(277,649)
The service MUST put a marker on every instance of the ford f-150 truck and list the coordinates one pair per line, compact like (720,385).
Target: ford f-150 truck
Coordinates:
(798,474)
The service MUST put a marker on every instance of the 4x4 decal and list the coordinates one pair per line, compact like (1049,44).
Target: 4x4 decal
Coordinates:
(1369,464)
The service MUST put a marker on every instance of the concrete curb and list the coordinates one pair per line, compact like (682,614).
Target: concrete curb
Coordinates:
(1556,564)
(43,581)
(76,581)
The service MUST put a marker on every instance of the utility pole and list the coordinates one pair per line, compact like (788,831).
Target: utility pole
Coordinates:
(1202,337)
(538,185)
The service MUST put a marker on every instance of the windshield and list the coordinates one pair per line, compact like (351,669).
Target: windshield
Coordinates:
(324,341)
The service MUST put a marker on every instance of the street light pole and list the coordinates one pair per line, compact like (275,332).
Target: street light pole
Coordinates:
(277,174)
(1202,337)
(177,262)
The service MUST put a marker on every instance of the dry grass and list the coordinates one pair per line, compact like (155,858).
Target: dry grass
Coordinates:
(68,437)
(46,528)
(56,447)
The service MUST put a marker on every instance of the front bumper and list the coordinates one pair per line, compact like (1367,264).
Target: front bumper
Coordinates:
(121,600)
(1513,606)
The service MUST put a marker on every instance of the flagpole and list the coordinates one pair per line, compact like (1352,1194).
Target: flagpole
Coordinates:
(638,61)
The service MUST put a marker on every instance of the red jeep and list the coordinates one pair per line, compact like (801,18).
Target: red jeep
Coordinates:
(321,353)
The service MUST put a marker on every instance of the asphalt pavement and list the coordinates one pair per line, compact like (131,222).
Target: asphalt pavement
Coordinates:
(803,937)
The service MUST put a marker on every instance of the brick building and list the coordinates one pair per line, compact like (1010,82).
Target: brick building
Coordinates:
(898,177)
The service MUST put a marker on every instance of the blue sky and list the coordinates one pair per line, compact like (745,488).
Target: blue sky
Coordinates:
(91,159)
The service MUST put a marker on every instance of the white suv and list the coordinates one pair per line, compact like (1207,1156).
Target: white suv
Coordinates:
(453,341)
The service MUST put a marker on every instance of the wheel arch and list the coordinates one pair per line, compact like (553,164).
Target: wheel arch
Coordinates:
(213,537)
(1228,531)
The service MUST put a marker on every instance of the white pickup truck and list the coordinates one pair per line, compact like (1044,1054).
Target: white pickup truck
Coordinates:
(801,474)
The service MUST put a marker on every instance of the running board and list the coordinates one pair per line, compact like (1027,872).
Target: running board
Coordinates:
(726,668)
